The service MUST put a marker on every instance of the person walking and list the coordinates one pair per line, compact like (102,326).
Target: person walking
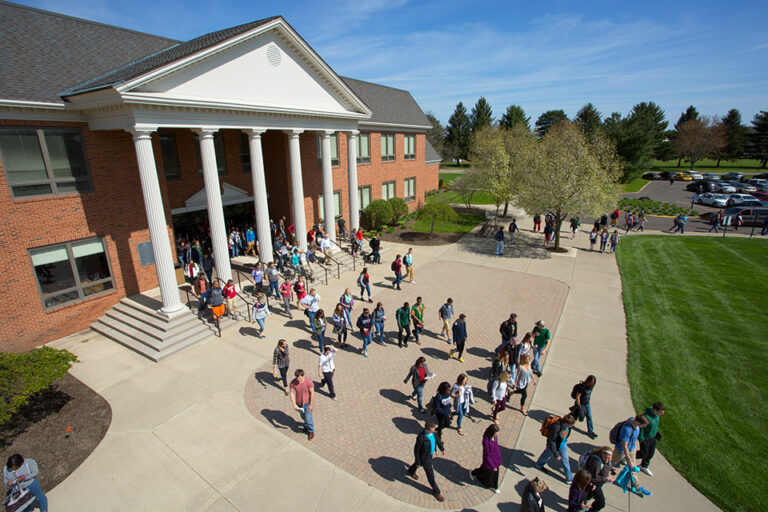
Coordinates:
(575,223)
(215,300)
(300,289)
(348,303)
(764,226)
(523,377)
(281,360)
(512,230)
(326,368)
(598,463)
(397,268)
(418,374)
(208,265)
(340,325)
(320,324)
(461,392)
(403,315)
(649,435)
(342,224)
(592,239)
(273,278)
(302,393)
(260,313)
(201,288)
(459,337)
(23,472)
(375,245)
(532,500)
(230,294)
(488,472)
(442,406)
(423,451)
(549,232)
(364,282)
(500,364)
(408,263)
(624,435)
(499,237)
(257,274)
(311,303)
(577,494)
(499,395)
(365,324)
(536,223)
(614,241)
(445,314)
(604,236)
(250,240)
(582,394)
(541,340)
(508,331)
(417,315)
(286,293)
(379,318)
(713,223)
(557,446)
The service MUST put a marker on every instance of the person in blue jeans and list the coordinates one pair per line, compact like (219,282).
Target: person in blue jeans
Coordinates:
(302,393)
(541,340)
(499,237)
(379,317)
(23,472)
(365,324)
(418,375)
(583,395)
(557,446)
(311,303)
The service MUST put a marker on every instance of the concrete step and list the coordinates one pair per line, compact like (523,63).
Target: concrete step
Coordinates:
(153,323)
(172,333)
(153,353)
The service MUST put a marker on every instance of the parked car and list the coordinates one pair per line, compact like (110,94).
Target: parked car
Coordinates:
(762,196)
(763,176)
(653,176)
(701,186)
(711,176)
(752,215)
(724,187)
(694,175)
(733,176)
(757,181)
(710,199)
(738,199)
(743,187)
(753,202)
(681,176)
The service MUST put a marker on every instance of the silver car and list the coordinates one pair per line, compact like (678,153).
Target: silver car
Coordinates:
(742,187)
(724,187)
(710,199)
(737,199)
(711,176)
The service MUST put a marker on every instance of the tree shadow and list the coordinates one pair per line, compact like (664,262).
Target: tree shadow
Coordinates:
(267,378)
(480,352)
(397,396)
(39,406)
(525,245)
(408,425)
(394,470)
(281,420)
(434,353)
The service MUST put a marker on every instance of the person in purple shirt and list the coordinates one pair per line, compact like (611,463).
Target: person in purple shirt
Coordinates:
(488,472)
(577,495)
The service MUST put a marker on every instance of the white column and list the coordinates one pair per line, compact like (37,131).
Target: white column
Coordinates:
(158,228)
(354,203)
(329,219)
(260,195)
(215,208)
(297,189)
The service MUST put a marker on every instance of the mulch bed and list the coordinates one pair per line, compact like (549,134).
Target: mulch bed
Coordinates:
(40,429)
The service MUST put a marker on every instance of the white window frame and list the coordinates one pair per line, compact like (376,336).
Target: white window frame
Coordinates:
(409,147)
(364,159)
(387,152)
(409,189)
(388,190)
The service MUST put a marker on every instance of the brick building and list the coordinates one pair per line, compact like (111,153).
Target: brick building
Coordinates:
(111,140)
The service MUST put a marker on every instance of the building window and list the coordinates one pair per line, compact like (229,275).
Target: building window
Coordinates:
(44,161)
(334,149)
(245,154)
(387,147)
(409,148)
(388,190)
(364,196)
(364,148)
(336,205)
(218,145)
(170,155)
(409,189)
(72,271)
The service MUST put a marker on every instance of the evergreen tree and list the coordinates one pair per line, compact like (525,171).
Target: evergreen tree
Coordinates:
(482,115)
(735,136)
(515,115)
(436,134)
(549,119)
(458,135)
(637,137)
(589,119)
(759,138)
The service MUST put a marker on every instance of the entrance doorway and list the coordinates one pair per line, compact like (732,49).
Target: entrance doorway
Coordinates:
(194,225)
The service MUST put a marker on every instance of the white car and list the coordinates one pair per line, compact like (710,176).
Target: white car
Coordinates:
(725,188)
(694,175)
(711,176)
(742,187)
(710,199)
(737,199)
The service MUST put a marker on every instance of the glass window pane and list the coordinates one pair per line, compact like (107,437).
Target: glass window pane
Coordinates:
(337,203)
(334,148)
(21,155)
(245,154)
(31,190)
(49,255)
(67,187)
(98,288)
(63,298)
(170,156)
(65,153)
(92,268)
(55,276)
(321,204)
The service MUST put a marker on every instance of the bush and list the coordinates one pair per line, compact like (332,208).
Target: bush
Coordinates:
(399,208)
(378,213)
(23,375)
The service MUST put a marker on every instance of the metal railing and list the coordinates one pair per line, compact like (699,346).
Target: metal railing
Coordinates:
(352,254)
(238,294)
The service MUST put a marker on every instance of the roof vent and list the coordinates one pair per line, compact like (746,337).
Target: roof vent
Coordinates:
(273,55)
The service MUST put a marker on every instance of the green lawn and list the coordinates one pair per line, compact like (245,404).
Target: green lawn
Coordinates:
(696,329)
(448,177)
(463,224)
(633,186)
(452,165)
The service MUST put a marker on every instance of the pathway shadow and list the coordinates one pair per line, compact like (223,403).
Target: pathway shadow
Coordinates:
(395,395)
(408,425)
(480,352)
(435,353)
(525,245)
(281,420)
(394,470)
(452,471)
(267,378)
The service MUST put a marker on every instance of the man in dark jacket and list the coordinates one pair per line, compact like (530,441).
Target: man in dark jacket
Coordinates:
(557,446)
(426,443)
(508,330)
(375,245)
(649,435)
(459,337)
(598,465)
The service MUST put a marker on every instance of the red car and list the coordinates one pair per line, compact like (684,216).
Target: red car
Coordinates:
(763,196)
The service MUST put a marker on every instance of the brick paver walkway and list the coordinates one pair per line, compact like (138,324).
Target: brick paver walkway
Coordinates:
(370,430)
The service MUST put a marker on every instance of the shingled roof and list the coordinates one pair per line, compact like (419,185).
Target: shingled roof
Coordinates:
(389,105)
(42,52)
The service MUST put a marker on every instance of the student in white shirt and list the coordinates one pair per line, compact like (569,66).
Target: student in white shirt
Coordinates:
(326,368)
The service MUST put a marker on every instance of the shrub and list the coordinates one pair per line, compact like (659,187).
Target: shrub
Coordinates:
(434,212)
(399,208)
(378,213)
(23,375)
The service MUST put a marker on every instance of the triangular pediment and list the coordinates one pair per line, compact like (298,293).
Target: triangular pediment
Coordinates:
(272,69)
(230,194)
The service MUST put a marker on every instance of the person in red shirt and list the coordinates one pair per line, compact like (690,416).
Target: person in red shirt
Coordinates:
(230,293)
(358,241)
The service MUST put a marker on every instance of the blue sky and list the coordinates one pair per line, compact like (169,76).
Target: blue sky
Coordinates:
(540,55)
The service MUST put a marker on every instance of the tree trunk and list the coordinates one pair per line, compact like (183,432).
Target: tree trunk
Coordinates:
(506,207)
(558,223)
(692,162)
(679,159)
(432,230)
(763,162)
(718,163)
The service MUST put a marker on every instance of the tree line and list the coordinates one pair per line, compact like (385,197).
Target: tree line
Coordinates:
(639,136)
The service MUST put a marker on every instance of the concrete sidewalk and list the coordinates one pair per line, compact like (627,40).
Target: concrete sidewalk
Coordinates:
(182,437)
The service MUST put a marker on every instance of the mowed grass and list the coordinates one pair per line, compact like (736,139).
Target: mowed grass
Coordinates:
(633,186)
(463,224)
(696,329)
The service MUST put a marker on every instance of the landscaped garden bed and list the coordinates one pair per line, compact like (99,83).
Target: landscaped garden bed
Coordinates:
(652,207)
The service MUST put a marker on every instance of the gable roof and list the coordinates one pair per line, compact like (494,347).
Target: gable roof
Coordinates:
(389,105)
(431,155)
(44,52)
(159,59)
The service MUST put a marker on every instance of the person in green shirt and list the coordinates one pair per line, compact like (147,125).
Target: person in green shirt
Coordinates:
(541,338)
(403,316)
(649,435)
(417,315)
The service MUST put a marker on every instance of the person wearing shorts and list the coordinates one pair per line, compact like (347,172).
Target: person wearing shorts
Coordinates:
(446,315)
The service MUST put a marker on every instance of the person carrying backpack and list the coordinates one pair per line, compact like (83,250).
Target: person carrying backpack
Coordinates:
(623,436)
(581,393)
(397,268)
(557,431)
(598,463)
(649,435)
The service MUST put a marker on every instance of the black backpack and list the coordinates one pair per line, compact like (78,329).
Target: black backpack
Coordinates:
(577,390)
(613,435)
(392,266)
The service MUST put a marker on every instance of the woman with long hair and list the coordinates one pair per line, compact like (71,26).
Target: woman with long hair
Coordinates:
(488,472)
(300,288)
(260,313)
(442,404)
(320,324)
(364,282)
(365,324)
(577,494)
(340,325)
(500,364)
(459,399)
(418,374)
(499,395)
(524,375)
(379,317)
(281,360)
